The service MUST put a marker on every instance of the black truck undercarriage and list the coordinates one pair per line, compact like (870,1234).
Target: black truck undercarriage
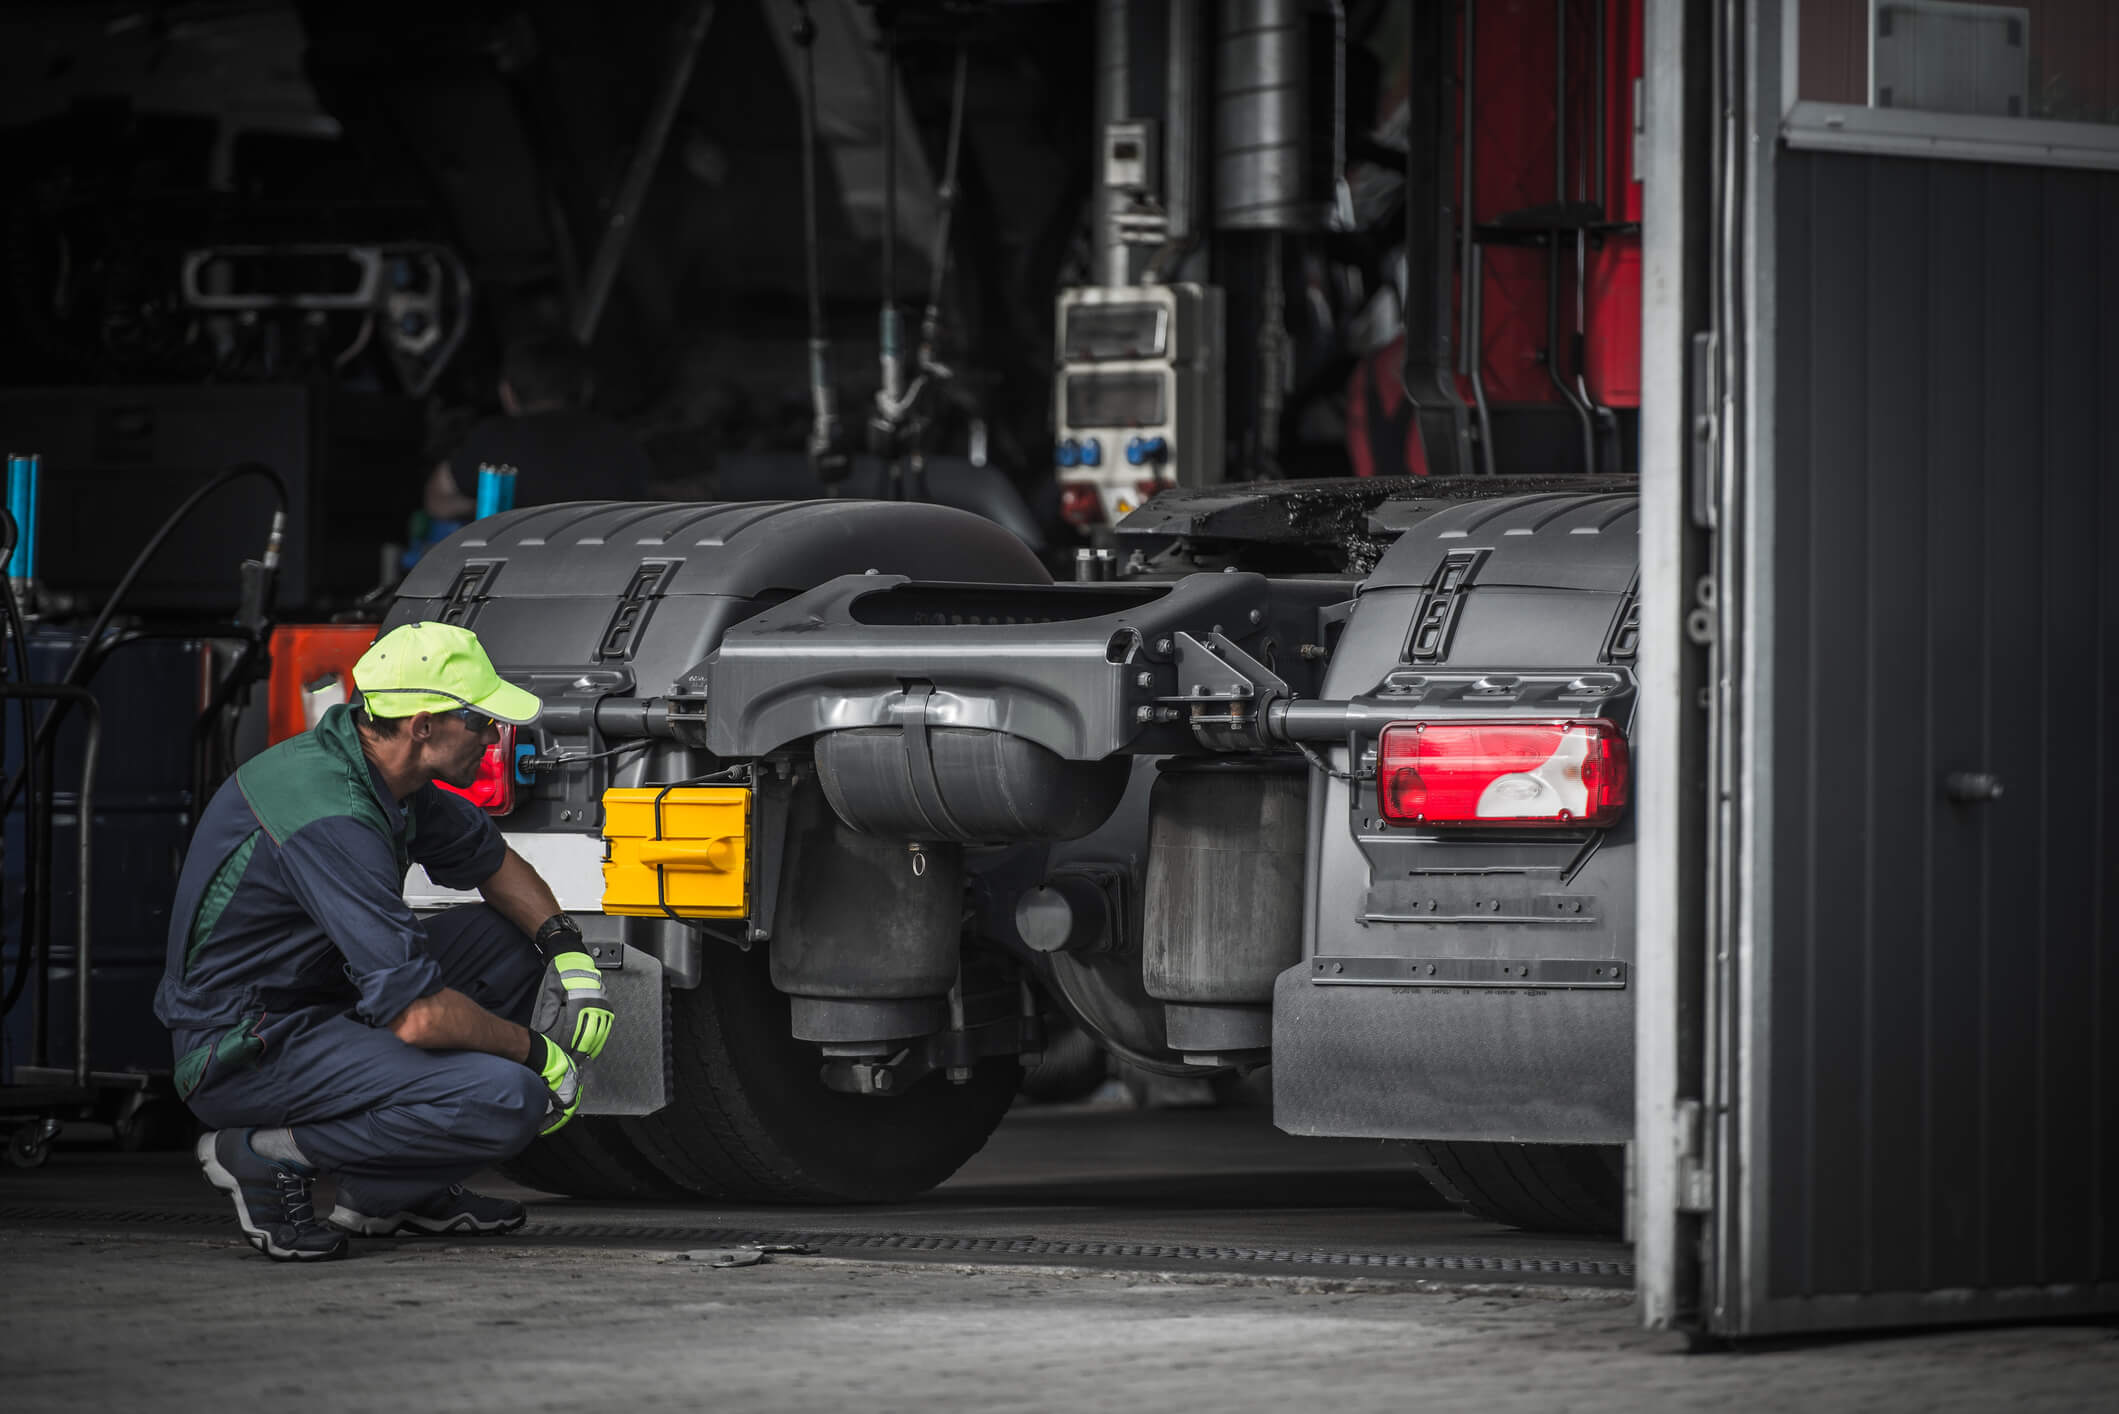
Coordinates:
(1174,809)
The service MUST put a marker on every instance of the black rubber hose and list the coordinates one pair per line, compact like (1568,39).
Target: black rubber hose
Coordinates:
(84,890)
(72,676)
(85,805)
(18,644)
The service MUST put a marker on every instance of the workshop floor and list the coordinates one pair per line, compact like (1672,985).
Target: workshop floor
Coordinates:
(1089,1259)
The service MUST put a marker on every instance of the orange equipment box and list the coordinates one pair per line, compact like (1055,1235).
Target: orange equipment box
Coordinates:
(312,667)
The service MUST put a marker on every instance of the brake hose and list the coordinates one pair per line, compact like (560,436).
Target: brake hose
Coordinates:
(825,455)
(74,672)
(895,400)
(946,198)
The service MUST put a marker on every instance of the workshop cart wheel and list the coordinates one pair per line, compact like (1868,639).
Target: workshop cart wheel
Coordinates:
(751,1121)
(31,1144)
(1573,1188)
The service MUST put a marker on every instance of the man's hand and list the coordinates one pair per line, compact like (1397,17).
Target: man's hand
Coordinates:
(585,1014)
(556,1068)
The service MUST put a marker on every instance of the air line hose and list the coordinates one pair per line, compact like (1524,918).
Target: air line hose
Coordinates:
(33,842)
(76,671)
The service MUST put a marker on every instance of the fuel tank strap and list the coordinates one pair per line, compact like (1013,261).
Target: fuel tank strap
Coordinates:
(910,714)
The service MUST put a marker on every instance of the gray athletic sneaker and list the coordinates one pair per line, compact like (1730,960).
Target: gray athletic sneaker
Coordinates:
(272,1202)
(456,1210)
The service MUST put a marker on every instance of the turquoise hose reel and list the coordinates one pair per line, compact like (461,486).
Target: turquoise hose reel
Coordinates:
(22,475)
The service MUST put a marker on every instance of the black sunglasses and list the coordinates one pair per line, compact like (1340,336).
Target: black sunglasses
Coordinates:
(475,720)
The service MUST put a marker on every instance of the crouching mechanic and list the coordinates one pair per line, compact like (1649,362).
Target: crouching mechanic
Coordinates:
(320,1026)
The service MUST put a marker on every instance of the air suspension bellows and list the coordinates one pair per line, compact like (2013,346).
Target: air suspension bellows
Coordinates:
(1226,840)
(868,929)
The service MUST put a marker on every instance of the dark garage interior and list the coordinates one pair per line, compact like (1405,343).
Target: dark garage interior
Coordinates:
(1204,701)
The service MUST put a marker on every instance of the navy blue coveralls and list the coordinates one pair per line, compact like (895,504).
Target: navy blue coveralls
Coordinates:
(291,950)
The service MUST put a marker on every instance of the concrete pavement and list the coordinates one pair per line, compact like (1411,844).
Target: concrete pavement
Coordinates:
(141,1297)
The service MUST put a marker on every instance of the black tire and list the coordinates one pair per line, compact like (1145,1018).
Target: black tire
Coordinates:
(751,1121)
(1568,1188)
(592,1158)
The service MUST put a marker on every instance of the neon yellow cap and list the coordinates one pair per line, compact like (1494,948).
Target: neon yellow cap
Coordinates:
(430,667)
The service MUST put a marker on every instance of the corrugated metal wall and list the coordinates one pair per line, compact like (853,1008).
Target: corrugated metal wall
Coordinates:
(1945,1106)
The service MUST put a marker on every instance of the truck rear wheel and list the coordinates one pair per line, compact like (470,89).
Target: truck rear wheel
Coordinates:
(1573,1188)
(591,1158)
(752,1122)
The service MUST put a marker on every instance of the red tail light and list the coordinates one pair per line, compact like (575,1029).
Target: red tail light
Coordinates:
(493,791)
(1501,773)
(1081,504)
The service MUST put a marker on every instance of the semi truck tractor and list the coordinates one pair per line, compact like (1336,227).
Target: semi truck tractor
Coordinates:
(857,804)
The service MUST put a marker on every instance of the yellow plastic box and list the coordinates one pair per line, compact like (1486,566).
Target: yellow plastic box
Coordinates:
(682,850)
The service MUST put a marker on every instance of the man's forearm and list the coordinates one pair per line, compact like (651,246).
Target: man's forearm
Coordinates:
(451,1021)
(519,894)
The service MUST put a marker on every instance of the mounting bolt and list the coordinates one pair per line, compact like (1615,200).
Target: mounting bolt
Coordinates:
(1258,616)
(1144,714)
(1162,645)
(1144,679)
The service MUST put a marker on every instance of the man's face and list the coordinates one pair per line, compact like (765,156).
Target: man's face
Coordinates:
(453,751)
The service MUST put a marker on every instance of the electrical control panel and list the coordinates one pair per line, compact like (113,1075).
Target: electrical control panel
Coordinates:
(1138,395)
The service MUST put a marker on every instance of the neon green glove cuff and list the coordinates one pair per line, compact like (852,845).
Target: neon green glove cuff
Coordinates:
(563,1082)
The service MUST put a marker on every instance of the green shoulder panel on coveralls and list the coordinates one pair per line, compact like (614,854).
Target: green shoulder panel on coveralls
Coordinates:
(318,775)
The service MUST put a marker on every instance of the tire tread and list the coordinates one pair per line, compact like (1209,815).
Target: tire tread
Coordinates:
(1561,1188)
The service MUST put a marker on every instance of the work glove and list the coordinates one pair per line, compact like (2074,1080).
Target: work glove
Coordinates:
(573,1009)
(583,1017)
(562,1081)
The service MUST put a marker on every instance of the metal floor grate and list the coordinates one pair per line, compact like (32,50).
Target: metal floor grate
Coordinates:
(915,1242)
